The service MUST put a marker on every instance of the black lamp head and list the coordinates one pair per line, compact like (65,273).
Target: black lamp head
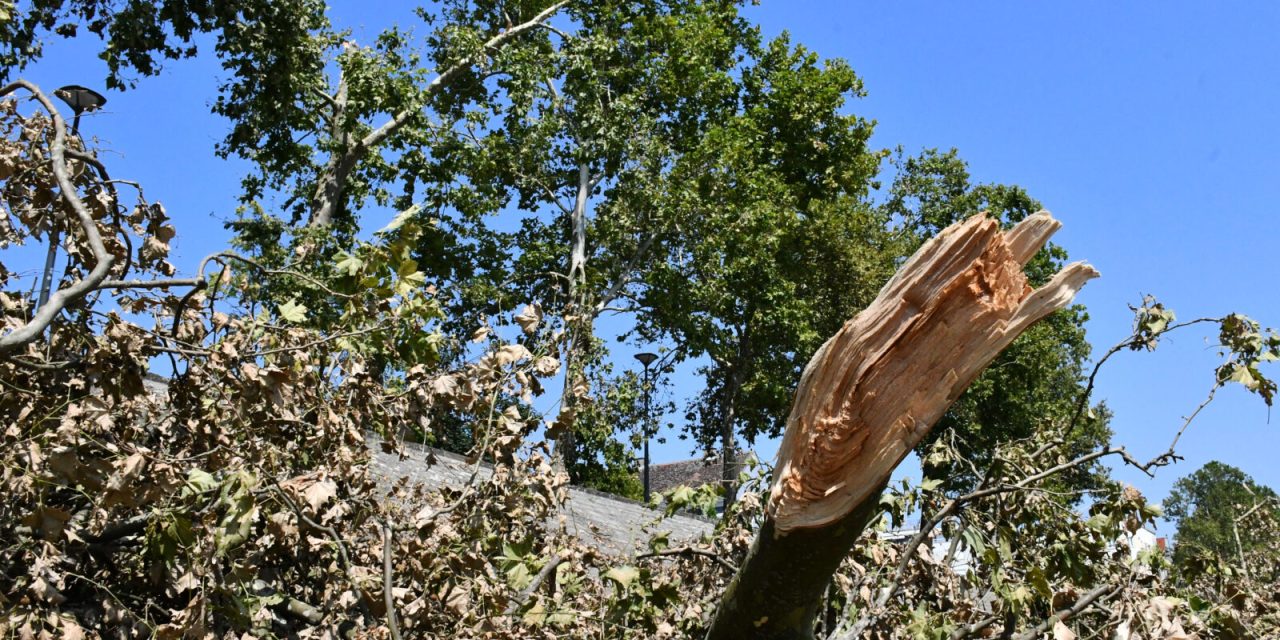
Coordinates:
(646,358)
(80,99)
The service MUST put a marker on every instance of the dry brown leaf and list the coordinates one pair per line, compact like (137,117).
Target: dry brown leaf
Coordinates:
(319,493)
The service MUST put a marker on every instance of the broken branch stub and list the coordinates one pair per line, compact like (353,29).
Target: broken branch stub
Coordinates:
(875,389)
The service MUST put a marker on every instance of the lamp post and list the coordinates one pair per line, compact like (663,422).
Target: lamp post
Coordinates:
(647,359)
(80,99)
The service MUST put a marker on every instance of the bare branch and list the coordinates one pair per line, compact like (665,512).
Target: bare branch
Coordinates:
(388,597)
(523,596)
(691,551)
(624,277)
(151,284)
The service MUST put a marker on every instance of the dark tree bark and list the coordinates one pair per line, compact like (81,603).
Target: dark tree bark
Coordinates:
(776,594)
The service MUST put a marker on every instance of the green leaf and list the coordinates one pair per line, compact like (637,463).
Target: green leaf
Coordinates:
(349,264)
(929,484)
(536,616)
(973,539)
(660,541)
(681,496)
(407,267)
(241,512)
(518,576)
(200,481)
(623,575)
(1245,377)
(562,618)
(400,219)
(291,311)
(1040,582)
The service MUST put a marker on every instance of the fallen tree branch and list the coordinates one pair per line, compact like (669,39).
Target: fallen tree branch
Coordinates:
(337,541)
(1104,592)
(294,607)
(975,628)
(388,597)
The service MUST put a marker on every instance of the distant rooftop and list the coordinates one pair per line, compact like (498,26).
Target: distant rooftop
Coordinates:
(610,522)
(694,472)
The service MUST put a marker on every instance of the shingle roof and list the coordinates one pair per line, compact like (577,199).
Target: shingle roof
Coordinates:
(616,524)
(691,473)
(610,522)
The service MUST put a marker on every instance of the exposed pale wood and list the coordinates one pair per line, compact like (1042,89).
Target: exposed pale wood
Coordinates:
(876,388)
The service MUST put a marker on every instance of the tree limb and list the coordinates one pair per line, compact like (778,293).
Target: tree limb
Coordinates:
(1103,592)
(514,606)
(57,301)
(868,397)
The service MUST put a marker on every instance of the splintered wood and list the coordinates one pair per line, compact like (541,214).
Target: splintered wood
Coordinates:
(876,388)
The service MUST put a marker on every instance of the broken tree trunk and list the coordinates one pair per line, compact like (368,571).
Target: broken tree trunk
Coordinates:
(867,398)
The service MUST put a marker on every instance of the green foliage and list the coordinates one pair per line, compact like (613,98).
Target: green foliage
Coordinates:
(1249,347)
(702,499)
(1207,507)
(607,458)
(776,249)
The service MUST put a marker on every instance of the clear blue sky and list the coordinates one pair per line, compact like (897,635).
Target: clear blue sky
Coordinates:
(1150,130)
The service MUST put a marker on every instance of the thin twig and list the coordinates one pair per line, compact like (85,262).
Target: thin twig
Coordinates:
(1106,590)
(523,596)
(691,551)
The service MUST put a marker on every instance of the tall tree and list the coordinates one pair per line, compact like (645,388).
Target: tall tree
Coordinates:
(776,248)
(579,142)
(1209,507)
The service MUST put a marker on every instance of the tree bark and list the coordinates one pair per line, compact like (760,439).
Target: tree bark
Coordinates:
(728,415)
(580,328)
(869,395)
(330,197)
(776,594)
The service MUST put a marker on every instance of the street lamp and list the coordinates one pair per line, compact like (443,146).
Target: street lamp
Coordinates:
(647,359)
(80,99)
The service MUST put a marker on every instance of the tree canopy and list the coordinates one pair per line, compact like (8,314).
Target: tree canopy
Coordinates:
(1212,507)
